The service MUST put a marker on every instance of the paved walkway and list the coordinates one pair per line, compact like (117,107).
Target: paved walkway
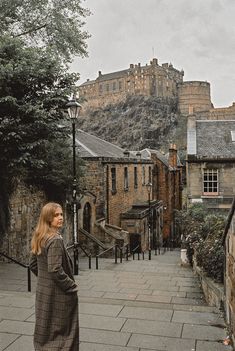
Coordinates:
(133,306)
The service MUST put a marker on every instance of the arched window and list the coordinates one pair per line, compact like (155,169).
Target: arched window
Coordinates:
(87,217)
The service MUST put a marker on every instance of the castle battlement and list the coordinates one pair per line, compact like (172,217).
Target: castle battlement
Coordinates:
(149,80)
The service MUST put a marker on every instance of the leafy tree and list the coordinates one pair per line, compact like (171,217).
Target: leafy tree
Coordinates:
(34,86)
(55,24)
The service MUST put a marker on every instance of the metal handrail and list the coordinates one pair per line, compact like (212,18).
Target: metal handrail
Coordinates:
(110,248)
(121,251)
(138,253)
(92,238)
(22,265)
(87,255)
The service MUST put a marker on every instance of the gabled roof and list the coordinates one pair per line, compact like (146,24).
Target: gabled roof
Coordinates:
(146,154)
(214,139)
(92,146)
(113,75)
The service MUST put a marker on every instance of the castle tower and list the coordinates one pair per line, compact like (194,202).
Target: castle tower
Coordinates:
(194,96)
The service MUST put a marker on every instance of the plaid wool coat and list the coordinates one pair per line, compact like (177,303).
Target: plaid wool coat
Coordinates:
(56,306)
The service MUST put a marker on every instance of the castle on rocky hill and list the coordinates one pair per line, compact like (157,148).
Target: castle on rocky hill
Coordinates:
(149,80)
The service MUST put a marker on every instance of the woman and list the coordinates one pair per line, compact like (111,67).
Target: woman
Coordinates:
(56,307)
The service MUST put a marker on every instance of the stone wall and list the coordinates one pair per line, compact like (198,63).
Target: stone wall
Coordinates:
(218,113)
(194,97)
(123,199)
(110,203)
(226,184)
(25,205)
(230,275)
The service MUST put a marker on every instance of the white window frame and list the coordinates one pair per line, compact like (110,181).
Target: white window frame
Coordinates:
(210,182)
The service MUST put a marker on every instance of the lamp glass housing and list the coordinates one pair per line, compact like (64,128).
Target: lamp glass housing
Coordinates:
(73,109)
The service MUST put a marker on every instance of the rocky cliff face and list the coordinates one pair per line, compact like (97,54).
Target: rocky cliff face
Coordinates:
(137,123)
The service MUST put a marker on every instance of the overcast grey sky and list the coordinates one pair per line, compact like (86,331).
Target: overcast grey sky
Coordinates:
(197,36)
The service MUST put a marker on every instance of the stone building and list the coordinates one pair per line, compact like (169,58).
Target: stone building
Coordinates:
(229,282)
(167,187)
(152,79)
(211,162)
(116,201)
(149,80)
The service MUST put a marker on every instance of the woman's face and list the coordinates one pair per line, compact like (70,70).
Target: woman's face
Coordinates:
(57,221)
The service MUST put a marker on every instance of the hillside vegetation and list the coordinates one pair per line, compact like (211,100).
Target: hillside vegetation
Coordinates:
(137,123)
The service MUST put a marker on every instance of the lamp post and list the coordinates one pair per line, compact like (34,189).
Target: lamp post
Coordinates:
(149,188)
(73,110)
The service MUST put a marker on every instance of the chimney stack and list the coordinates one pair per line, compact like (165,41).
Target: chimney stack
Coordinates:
(172,156)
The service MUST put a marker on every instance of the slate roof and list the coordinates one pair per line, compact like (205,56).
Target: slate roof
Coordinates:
(160,156)
(214,140)
(88,82)
(113,75)
(92,146)
(146,154)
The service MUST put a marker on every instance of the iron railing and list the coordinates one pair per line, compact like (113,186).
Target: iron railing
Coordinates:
(22,265)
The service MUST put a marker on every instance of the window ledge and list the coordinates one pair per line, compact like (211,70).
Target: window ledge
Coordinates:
(211,196)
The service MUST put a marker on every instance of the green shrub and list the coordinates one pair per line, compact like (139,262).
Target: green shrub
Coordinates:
(210,252)
(201,235)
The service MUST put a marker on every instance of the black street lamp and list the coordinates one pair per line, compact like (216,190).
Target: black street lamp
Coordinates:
(73,110)
(149,188)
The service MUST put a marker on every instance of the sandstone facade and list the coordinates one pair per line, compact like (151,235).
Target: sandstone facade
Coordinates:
(150,80)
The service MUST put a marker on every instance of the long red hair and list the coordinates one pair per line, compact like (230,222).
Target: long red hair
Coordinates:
(43,230)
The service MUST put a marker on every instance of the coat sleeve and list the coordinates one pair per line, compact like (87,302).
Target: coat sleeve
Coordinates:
(33,264)
(55,267)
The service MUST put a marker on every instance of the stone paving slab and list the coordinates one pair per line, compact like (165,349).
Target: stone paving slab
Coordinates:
(197,318)
(155,298)
(153,327)
(169,293)
(201,332)
(6,339)
(212,346)
(161,343)
(16,327)
(104,337)
(135,291)
(102,347)
(120,296)
(164,287)
(190,289)
(24,343)
(100,322)
(187,301)
(90,293)
(146,313)
(99,309)
(15,313)
(194,308)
